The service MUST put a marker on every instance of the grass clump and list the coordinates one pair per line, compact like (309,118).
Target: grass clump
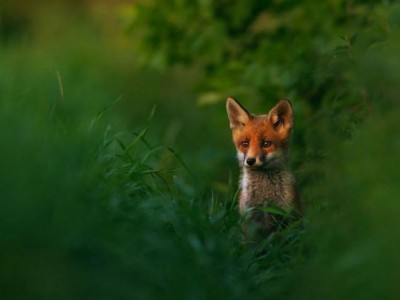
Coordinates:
(90,213)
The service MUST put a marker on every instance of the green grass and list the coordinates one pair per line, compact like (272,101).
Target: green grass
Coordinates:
(91,214)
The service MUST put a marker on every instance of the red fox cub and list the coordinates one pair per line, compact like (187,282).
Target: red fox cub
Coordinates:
(262,143)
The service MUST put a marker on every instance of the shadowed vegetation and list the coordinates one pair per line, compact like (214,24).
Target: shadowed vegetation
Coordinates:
(118,174)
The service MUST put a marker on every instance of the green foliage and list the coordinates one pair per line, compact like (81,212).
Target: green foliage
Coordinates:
(263,49)
(116,185)
(323,56)
(88,212)
(355,245)
(92,210)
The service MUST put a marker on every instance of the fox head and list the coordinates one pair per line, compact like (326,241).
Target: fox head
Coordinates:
(262,141)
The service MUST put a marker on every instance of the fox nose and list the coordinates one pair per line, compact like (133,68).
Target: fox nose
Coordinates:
(250,161)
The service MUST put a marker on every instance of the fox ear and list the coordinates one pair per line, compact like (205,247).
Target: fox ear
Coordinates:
(281,116)
(238,115)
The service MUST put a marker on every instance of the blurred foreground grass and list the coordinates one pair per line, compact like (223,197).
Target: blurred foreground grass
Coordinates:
(102,197)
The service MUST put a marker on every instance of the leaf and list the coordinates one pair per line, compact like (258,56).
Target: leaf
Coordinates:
(273,210)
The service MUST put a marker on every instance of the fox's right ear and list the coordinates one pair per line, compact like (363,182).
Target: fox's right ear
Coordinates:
(238,115)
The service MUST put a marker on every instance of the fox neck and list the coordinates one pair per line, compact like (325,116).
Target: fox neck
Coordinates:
(259,186)
(270,177)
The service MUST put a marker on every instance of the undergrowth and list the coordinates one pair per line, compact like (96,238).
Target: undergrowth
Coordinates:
(189,238)
(99,213)
(99,203)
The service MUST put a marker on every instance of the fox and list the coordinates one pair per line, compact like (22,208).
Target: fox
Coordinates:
(266,181)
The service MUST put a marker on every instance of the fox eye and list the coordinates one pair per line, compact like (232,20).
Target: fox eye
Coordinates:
(266,144)
(245,143)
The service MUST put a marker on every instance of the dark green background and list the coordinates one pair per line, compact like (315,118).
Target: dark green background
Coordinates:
(118,175)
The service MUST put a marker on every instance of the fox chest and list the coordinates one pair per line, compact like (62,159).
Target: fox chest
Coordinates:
(266,189)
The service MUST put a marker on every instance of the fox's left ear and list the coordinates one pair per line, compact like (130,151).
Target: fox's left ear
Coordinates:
(281,116)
